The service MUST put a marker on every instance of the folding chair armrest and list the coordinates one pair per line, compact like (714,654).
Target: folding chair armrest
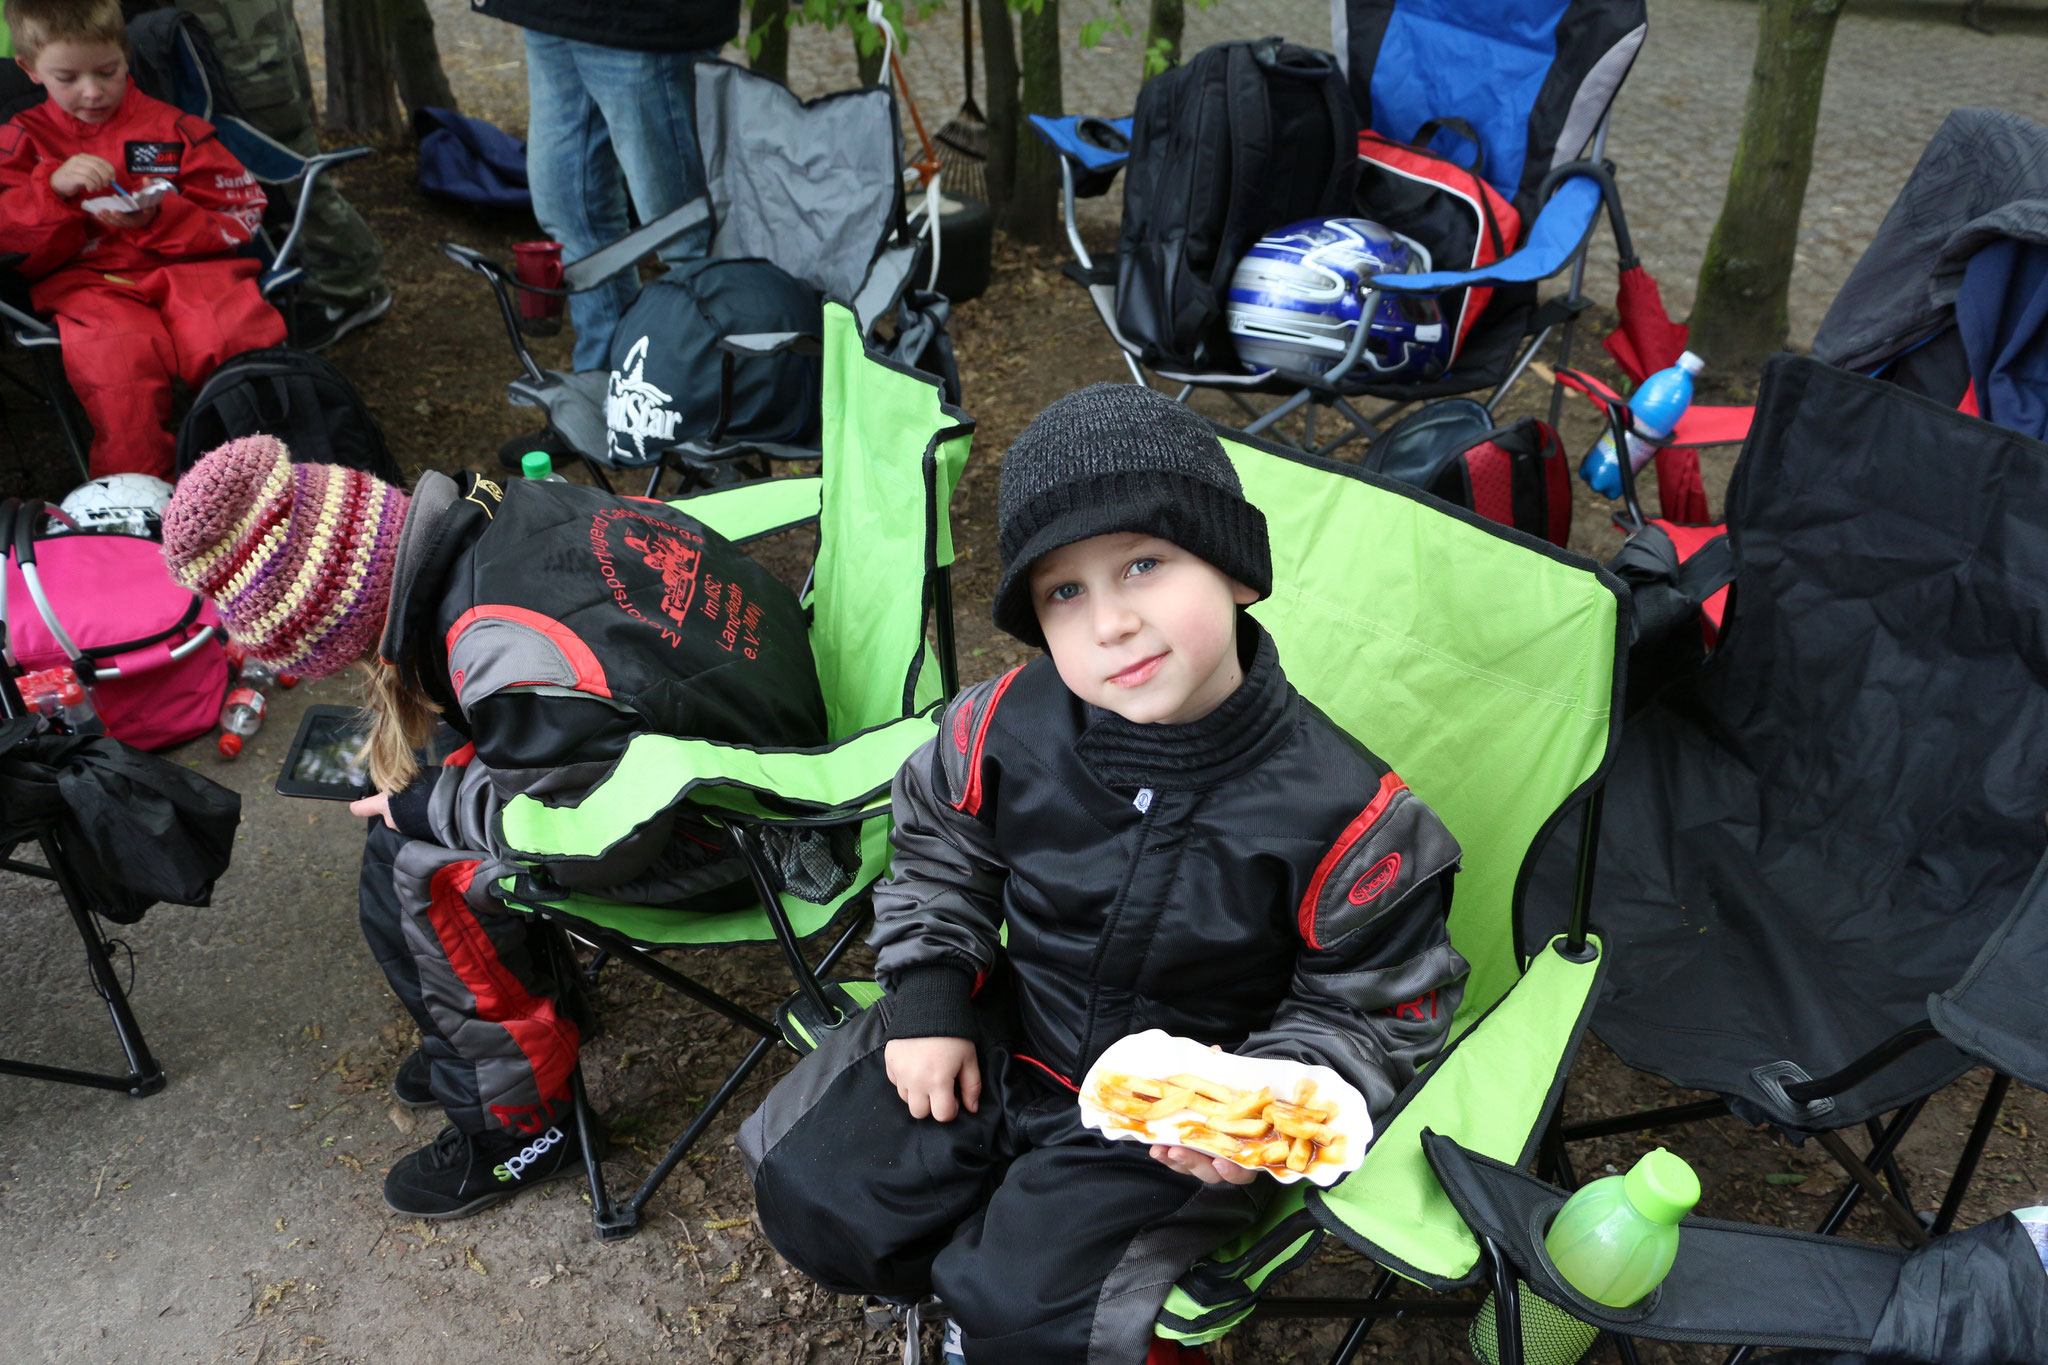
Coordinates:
(1491,1092)
(1063,135)
(600,265)
(309,173)
(759,345)
(658,772)
(760,508)
(1555,237)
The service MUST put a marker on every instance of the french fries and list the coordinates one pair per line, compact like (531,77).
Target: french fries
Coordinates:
(1249,1127)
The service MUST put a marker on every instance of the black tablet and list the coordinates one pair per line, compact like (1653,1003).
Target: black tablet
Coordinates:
(330,756)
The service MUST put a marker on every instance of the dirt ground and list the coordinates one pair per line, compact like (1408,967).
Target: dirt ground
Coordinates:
(712,1289)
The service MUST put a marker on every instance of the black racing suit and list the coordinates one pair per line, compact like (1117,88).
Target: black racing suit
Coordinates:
(1255,879)
(552,623)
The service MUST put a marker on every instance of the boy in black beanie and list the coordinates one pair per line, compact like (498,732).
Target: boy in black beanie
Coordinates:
(1172,838)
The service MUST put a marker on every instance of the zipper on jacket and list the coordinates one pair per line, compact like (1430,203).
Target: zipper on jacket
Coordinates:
(1109,928)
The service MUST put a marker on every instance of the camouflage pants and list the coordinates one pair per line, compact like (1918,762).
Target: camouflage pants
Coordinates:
(265,59)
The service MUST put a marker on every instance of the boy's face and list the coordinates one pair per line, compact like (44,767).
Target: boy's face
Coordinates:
(1138,626)
(86,80)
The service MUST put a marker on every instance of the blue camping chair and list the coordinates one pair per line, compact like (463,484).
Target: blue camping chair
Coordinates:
(1536,80)
(174,61)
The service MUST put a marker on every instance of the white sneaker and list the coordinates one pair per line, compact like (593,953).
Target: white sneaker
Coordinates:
(953,1351)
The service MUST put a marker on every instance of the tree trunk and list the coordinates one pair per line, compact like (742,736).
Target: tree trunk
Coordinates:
(1165,26)
(869,64)
(999,103)
(1034,202)
(1740,316)
(769,19)
(415,56)
(361,98)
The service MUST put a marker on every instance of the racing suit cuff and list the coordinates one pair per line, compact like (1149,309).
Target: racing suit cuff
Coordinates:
(409,807)
(932,1002)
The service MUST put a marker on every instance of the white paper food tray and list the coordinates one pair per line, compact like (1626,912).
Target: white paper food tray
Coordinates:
(1159,1054)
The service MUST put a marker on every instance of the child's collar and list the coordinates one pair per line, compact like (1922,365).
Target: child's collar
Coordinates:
(1239,734)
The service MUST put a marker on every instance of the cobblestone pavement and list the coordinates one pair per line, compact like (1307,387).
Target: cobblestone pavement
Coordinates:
(1898,67)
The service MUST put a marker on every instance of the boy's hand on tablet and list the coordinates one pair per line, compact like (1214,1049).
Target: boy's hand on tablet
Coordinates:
(924,1071)
(1210,1170)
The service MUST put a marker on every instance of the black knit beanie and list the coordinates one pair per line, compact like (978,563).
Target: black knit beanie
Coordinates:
(1120,457)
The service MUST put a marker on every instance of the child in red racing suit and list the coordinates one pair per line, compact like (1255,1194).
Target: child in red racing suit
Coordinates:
(140,294)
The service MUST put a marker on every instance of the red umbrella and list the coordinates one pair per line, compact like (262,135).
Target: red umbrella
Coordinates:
(1646,342)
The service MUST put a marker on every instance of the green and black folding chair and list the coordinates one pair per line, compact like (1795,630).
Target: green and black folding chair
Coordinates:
(1484,666)
(811,824)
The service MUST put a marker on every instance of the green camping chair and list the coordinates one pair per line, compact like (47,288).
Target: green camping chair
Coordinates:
(893,453)
(1486,667)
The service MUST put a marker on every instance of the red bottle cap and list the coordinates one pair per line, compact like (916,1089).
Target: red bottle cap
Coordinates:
(230,744)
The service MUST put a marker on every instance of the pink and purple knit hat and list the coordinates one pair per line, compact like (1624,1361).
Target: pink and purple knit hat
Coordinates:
(297,558)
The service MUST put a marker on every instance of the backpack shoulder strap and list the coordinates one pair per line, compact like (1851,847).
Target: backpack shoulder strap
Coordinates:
(1251,150)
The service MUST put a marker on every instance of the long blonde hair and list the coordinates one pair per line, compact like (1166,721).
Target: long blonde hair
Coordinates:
(401,723)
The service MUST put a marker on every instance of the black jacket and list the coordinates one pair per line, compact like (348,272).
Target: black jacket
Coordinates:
(642,26)
(1255,879)
(553,622)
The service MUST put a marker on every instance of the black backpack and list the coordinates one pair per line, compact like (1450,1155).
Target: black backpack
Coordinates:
(667,366)
(296,397)
(1245,138)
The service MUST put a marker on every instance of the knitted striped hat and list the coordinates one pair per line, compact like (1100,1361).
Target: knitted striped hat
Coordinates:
(296,557)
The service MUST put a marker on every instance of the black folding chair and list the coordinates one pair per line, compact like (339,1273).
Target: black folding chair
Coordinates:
(1821,872)
(144,1076)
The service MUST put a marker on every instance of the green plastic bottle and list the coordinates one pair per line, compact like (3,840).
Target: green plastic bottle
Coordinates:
(1613,1241)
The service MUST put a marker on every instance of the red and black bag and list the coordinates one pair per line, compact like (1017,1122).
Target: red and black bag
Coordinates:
(1516,475)
(1461,220)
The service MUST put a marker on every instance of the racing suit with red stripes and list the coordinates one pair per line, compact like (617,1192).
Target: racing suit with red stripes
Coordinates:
(1255,879)
(136,307)
(505,615)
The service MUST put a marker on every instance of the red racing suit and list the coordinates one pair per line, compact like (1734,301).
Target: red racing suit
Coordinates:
(136,306)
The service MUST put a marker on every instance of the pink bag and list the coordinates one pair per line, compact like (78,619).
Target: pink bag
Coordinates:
(103,603)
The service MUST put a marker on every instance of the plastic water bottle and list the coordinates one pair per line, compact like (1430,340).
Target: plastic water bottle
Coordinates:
(540,466)
(241,716)
(264,676)
(81,717)
(1613,1241)
(1653,415)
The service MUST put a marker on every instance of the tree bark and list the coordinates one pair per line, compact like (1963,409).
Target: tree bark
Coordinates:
(1034,208)
(415,56)
(1740,317)
(999,91)
(1165,24)
(361,96)
(770,19)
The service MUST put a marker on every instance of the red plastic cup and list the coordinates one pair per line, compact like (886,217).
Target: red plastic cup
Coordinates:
(538,263)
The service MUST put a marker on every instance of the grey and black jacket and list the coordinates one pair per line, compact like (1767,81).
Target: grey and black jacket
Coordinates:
(552,623)
(1255,879)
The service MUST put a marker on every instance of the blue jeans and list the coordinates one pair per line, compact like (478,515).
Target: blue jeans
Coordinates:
(604,121)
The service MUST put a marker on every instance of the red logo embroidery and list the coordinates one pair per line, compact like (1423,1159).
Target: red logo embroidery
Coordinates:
(1377,878)
(677,565)
(671,551)
(524,1118)
(1415,1009)
(960,732)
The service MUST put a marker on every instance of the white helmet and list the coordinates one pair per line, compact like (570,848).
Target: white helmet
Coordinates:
(130,503)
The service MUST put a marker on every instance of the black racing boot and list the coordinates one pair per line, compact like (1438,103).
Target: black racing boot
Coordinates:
(457,1174)
(411,1085)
